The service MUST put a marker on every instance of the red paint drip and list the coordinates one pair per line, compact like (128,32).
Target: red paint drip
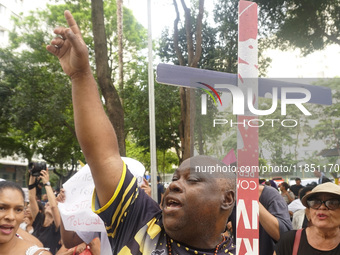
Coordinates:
(241,61)
(240,77)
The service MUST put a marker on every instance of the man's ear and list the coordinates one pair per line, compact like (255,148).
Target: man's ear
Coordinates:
(228,200)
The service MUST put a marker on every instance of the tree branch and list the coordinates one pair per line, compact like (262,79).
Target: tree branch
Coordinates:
(198,52)
(176,40)
(187,24)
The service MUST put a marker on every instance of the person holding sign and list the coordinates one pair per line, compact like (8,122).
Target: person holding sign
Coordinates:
(196,204)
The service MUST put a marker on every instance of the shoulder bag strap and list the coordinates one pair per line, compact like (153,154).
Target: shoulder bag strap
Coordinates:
(297,241)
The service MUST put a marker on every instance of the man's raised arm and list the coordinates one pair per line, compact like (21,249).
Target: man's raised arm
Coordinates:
(95,133)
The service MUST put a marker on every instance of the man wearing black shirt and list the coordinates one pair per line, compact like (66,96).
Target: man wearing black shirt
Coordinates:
(296,187)
(197,204)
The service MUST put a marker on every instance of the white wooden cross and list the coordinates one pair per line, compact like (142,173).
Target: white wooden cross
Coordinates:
(247,240)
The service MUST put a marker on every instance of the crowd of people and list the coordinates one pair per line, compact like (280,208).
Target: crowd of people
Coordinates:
(312,220)
(195,215)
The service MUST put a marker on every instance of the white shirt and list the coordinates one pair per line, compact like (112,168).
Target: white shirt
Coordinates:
(295,205)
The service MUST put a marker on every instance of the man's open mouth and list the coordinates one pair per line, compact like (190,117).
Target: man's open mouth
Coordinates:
(172,203)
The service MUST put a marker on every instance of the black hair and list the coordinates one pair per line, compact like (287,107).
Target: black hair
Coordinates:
(303,191)
(11,185)
(41,207)
(262,180)
(312,184)
(285,184)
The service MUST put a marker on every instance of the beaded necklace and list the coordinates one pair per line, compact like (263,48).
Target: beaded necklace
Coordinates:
(215,253)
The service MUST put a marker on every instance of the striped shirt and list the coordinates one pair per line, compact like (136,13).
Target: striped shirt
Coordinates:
(134,223)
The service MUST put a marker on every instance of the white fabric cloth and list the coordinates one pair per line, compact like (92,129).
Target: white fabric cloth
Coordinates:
(285,197)
(295,205)
(24,227)
(33,249)
(87,237)
(298,218)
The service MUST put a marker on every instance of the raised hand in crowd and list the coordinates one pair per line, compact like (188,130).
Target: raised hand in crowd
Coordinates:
(94,130)
(145,186)
(196,206)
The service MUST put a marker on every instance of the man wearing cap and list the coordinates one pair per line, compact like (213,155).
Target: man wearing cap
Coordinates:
(323,234)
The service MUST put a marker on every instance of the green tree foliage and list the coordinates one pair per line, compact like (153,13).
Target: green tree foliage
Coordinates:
(167,111)
(210,59)
(214,135)
(283,145)
(309,25)
(219,41)
(281,136)
(219,53)
(167,52)
(226,47)
(327,118)
(166,160)
(35,108)
(227,32)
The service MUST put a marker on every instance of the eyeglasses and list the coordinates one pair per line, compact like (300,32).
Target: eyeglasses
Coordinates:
(331,204)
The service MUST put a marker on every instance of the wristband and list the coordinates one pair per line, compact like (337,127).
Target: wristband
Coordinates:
(31,186)
(47,184)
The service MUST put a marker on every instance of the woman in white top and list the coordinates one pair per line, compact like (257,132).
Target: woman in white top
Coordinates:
(11,215)
(28,220)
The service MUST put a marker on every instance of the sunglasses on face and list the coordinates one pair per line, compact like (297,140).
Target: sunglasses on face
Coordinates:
(331,204)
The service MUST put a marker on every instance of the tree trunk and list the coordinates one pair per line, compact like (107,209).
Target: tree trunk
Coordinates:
(120,48)
(188,107)
(200,140)
(112,101)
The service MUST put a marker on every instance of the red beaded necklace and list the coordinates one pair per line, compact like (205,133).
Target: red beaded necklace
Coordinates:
(215,253)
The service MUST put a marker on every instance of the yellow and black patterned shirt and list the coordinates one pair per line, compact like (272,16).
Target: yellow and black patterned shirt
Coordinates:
(134,224)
